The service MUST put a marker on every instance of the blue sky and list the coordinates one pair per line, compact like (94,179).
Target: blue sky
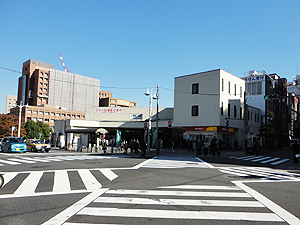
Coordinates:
(131,45)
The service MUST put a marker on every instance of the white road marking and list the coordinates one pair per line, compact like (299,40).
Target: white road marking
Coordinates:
(73,209)
(9,162)
(282,213)
(90,182)
(280,161)
(255,157)
(9,176)
(61,181)
(179,193)
(109,174)
(187,202)
(260,159)
(173,214)
(270,160)
(197,187)
(35,159)
(29,185)
(20,160)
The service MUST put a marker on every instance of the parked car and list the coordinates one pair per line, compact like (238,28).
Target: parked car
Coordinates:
(36,145)
(13,144)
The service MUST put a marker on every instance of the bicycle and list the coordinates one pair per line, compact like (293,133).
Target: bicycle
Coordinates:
(1,180)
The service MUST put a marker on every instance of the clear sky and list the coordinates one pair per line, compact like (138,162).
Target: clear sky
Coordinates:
(131,45)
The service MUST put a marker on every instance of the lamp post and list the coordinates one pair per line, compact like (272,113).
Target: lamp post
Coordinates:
(150,115)
(20,113)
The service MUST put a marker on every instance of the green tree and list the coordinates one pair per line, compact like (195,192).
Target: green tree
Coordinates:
(34,129)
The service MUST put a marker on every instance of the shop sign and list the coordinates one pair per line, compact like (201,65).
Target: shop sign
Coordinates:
(254,78)
(115,110)
(136,116)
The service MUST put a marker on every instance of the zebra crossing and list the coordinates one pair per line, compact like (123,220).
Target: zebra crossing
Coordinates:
(46,159)
(262,173)
(24,184)
(162,162)
(262,159)
(194,203)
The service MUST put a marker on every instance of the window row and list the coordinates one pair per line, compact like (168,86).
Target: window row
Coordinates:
(56,114)
(41,119)
(195,89)
(195,111)
(250,117)
(45,79)
(254,88)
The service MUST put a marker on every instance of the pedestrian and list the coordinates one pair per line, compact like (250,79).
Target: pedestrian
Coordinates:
(143,148)
(295,150)
(205,147)
(131,146)
(213,147)
(199,147)
(173,146)
(220,143)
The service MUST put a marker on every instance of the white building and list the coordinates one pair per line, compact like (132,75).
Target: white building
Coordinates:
(204,101)
(11,101)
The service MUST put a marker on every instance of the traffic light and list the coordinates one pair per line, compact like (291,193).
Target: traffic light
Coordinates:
(227,123)
(145,125)
(271,97)
(170,124)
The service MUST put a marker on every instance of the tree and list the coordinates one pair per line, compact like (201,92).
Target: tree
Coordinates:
(7,121)
(34,129)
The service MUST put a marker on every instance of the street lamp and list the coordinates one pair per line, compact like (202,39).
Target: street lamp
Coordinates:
(150,115)
(20,113)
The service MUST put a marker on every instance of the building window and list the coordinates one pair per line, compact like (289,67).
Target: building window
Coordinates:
(234,89)
(47,120)
(41,119)
(195,88)
(41,73)
(34,119)
(41,112)
(44,100)
(57,114)
(82,117)
(47,113)
(52,114)
(68,115)
(52,120)
(41,84)
(195,110)
(46,74)
(234,111)
(41,79)
(28,111)
(45,84)
(241,113)
(46,79)
(45,89)
(63,114)
(78,116)
(222,84)
(228,110)
(34,112)
(41,89)
(228,87)
(241,92)
(222,108)
(28,118)
(73,116)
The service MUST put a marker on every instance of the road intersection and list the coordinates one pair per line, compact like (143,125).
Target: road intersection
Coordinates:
(163,189)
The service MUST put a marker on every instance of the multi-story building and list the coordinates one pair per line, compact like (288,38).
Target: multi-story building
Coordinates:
(106,100)
(204,101)
(11,101)
(67,93)
(48,114)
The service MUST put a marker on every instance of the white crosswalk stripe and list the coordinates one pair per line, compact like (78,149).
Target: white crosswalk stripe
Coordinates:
(131,204)
(262,159)
(260,173)
(46,159)
(59,179)
(175,162)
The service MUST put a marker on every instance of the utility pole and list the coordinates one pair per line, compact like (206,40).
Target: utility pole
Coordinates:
(157,104)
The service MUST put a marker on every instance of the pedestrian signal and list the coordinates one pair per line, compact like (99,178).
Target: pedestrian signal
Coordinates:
(227,123)
(145,125)
(169,124)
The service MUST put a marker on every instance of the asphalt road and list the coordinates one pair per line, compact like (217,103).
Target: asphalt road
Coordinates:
(82,188)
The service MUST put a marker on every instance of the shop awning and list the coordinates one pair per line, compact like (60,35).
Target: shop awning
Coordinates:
(87,131)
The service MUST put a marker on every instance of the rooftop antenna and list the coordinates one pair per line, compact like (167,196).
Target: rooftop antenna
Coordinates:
(62,60)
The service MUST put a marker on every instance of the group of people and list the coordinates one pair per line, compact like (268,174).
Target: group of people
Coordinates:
(135,146)
(213,148)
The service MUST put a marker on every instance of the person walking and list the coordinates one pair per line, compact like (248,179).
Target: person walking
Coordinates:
(205,147)
(199,148)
